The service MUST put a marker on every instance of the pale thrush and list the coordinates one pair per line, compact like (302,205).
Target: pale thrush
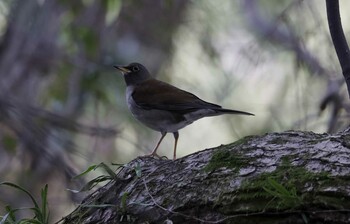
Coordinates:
(163,107)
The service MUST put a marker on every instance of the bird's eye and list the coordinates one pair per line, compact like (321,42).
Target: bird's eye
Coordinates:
(135,69)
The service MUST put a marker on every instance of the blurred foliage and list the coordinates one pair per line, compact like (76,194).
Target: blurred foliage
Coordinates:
(40,210)
(58,86)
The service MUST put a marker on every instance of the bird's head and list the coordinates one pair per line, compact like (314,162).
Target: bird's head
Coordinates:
(134,73)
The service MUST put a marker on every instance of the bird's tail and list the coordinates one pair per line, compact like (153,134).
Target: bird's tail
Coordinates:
(228,111)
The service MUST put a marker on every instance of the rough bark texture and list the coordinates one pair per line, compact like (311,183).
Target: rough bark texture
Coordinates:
(289,177)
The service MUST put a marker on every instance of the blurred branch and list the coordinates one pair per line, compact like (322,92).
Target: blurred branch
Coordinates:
(27,48)
(272,31)
(332,97)
(66,46)
(37,130)
(26,112)
(30,55)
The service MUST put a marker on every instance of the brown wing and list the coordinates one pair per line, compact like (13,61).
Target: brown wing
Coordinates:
(154,94)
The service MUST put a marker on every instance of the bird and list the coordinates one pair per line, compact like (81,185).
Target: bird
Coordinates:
(164,107)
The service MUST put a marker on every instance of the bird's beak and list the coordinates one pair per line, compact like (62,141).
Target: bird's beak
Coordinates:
(122,68)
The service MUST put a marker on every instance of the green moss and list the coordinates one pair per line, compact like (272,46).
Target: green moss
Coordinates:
(240,141)
(224,157)
(283,189)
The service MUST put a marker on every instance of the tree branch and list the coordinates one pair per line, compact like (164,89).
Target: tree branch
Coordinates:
(338,38)
(286,177)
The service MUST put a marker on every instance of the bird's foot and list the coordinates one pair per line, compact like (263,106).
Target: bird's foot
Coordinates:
(155,155)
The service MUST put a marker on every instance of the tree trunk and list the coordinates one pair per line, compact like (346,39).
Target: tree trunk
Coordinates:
(288,177)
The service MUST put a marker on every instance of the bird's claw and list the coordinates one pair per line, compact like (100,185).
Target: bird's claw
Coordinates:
(155,155)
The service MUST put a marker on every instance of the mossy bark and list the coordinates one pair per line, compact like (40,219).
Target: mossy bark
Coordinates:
(289,177)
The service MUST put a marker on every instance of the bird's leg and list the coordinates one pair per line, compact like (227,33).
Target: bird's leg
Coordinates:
(154,152)
(176,136)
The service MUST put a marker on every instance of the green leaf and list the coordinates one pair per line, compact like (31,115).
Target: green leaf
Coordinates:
(23,190)
(91,184)
(11,213)
(279,188)
(110,172)
(123,201)
(288,197)
(2,221)
(44,205)
(41,216)
(88,170)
